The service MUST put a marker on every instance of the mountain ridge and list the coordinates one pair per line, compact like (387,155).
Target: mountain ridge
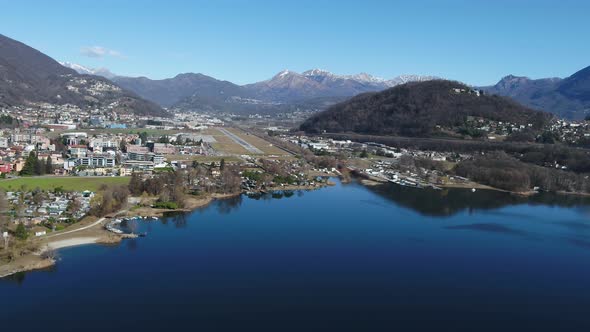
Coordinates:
(27,76)
(566,97)
(196,91)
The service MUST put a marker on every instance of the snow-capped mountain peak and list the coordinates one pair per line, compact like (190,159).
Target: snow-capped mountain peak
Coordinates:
(284,73)
(79,68)
(104,72)
(365,78)
(317,72)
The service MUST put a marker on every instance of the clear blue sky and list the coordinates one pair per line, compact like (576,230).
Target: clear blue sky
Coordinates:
(475,41)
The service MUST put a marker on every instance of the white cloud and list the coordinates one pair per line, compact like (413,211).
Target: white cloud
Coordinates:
(99,52)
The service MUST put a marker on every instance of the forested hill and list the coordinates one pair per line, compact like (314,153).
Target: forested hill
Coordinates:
(417,108)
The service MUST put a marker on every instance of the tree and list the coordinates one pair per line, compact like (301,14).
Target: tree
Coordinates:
(231,179)
(48,165)
(39,167)
(136,186)
(123,146)
(30,165)
(21,232)
(222,165)
(73,207)
(143,137)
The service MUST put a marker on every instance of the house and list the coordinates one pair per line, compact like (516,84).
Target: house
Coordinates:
(162,148)
(5,167)
(139,153)
(96,161)
(78,151)
(39,231)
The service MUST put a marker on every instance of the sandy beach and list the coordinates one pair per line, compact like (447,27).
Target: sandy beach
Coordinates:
(77,241)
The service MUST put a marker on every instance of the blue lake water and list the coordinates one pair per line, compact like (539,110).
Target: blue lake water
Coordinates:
(344,258)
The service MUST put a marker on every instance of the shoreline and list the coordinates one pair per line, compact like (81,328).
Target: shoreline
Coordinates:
(196,202)
(372,181)
(101,236)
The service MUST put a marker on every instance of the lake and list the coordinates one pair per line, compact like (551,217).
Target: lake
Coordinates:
(343,258)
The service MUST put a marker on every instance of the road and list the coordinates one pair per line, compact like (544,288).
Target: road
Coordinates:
(76,230)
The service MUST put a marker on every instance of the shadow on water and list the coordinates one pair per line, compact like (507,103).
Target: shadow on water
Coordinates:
(448,202)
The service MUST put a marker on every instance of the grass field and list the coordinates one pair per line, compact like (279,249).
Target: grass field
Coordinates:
(258,142)
(68,183)
(224,143)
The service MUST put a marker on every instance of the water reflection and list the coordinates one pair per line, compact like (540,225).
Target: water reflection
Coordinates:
(277,194)
(448,202)
(178,219)
(226,206)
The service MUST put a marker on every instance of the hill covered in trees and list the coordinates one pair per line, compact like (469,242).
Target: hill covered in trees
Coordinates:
(417,109)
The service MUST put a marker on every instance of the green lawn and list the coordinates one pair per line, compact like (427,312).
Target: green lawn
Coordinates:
(68,183)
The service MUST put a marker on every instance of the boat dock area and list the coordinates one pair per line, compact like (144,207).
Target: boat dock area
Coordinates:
(112,226)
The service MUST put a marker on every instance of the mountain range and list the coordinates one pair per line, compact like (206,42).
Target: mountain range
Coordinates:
(286,90)
(28,76)
(567,98)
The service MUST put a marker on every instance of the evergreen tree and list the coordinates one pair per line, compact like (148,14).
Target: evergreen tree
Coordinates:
(30,165)
(48,165)
(144,137)
(21,232)
(39,167)
(222,165)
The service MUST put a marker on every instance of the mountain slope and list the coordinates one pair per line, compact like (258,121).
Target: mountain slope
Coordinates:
(568,98)
(29,76)
(577,86)
(285,91)
(288,86)
(168,92)
(416,108)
